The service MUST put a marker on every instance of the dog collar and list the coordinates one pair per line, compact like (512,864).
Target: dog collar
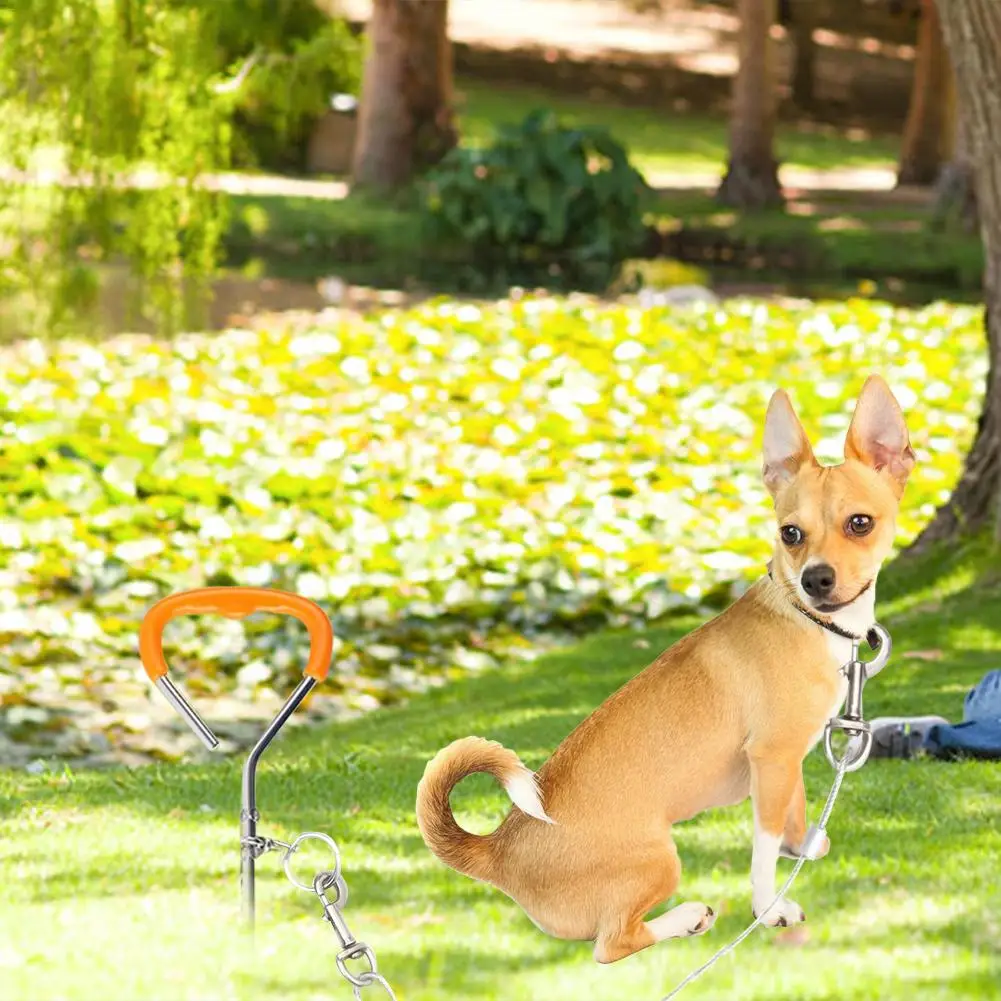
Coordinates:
(871,637)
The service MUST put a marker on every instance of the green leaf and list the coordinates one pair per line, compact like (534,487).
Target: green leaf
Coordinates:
(121,474)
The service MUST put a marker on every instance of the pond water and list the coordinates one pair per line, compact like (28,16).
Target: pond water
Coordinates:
(235,296)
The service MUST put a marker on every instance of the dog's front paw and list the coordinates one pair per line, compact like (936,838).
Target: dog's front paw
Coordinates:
(781,915)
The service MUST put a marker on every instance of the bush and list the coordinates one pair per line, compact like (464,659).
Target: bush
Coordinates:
(541,193)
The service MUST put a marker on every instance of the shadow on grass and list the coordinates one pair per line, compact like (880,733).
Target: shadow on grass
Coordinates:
(471,972)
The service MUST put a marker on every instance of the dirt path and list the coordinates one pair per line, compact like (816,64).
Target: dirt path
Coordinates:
(693,40)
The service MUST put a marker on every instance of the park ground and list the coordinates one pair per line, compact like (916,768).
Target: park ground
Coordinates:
(843,223)
(659,83)
(124,883)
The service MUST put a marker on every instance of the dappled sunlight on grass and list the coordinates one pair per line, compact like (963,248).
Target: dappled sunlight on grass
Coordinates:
(676,142)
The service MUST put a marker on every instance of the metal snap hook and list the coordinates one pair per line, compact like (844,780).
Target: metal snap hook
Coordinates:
(874,666)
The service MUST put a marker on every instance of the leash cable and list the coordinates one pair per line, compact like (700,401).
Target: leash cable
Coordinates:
(800,862)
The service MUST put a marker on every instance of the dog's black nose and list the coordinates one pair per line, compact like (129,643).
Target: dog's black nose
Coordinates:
(818,580)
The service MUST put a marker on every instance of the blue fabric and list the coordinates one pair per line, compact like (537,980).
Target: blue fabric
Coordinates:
(979,736)
(984,701)
(977,739)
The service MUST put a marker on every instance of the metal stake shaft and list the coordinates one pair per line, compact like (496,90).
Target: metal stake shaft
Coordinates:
(248,802)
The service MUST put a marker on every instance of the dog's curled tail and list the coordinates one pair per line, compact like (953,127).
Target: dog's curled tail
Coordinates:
(471,854)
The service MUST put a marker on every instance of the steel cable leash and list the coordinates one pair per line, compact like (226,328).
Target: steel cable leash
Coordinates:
(855,756)
(324,881)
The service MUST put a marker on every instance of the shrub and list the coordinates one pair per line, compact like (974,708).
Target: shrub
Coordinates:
(542,192)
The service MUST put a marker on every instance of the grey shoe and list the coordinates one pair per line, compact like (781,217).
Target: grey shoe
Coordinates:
(901,736)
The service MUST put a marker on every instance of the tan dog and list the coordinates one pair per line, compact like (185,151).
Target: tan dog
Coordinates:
(730,710)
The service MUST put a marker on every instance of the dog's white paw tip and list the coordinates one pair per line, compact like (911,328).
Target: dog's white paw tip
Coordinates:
(784,914)
(705,922)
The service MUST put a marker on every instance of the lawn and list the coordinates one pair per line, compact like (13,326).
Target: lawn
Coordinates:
(124,884)
(667,142)
(822,241)
(446,479)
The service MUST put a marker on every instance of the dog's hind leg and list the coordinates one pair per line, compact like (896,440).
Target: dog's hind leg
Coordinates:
(639,890)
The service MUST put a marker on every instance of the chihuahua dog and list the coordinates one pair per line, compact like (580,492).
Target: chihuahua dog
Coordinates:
(730,710)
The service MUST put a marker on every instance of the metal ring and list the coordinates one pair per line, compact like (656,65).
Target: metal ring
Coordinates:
(374,978)
(324,880)
(294,847)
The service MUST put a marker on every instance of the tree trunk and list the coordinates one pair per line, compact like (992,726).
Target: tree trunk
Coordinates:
(973,33)
(405,119)
(927,133)
(752,179)
(955,191)
(804,19)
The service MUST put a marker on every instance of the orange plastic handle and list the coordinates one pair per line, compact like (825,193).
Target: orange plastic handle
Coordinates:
(236,603)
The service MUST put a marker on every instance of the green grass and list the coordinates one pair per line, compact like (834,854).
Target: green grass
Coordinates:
(834,235)
(824,241)
(123,884)
(666,141)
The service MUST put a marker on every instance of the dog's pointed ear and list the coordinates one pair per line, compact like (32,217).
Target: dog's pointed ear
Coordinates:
(786,447)
(878,435)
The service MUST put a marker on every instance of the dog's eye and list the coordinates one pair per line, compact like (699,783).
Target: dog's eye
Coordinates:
(859,524)
(791,535)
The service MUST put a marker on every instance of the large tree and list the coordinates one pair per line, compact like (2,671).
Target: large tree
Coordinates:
(973,34)
(751,179)
(801,22)
(955,190)
(928,130)
(405,121)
